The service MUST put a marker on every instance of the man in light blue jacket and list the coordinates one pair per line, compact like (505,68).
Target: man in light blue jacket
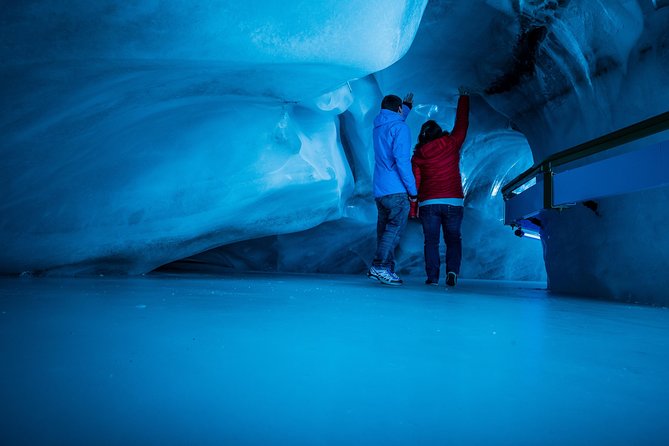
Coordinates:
(394,184)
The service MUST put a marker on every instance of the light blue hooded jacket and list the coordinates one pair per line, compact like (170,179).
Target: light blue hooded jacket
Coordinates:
(392,154)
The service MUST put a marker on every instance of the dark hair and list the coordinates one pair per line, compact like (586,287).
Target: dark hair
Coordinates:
(391,102)
(429,132)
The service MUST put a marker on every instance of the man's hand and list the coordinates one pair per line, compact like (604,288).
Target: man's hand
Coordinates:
(408,99)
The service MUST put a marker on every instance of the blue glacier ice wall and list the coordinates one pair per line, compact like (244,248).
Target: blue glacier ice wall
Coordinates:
(601,66)
(138,134)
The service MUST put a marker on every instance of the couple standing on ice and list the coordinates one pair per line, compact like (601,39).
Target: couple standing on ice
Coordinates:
(427,185)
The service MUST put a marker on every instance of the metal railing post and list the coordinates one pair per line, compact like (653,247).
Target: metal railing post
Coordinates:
(547,173)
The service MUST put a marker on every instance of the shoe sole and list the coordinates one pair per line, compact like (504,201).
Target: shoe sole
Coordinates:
(390,283)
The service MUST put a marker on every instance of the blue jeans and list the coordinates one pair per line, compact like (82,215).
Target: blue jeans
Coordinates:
(448,218)
(392,219)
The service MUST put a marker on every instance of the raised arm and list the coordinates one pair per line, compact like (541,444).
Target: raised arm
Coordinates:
(407,105)
(461,117)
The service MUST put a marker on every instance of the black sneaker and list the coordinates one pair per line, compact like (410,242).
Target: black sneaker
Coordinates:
(451,279)
(430,282)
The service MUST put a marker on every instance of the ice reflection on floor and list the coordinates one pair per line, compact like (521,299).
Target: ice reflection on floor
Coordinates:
(270,359)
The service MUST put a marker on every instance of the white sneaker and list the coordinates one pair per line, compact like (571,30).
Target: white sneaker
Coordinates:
(383,275)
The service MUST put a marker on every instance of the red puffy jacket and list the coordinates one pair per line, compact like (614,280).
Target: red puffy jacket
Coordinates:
(436,165)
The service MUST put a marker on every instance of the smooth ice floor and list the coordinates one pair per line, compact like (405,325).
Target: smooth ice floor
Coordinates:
(325,360)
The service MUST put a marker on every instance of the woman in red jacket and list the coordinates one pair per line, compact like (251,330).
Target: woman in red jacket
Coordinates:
(436,166)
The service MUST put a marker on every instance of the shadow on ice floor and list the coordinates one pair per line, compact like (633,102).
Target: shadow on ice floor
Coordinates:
(325,360)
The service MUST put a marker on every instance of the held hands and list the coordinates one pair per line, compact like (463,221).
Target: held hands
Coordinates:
(413,210)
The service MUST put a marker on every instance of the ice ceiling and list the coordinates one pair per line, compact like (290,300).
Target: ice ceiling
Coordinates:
(135,134)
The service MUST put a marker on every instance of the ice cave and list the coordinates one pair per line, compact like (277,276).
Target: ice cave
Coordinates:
(187,218)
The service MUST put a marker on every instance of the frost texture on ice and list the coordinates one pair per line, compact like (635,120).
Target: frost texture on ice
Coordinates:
(139,134)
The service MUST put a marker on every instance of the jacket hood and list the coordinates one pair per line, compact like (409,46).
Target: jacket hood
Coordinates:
(387,117)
